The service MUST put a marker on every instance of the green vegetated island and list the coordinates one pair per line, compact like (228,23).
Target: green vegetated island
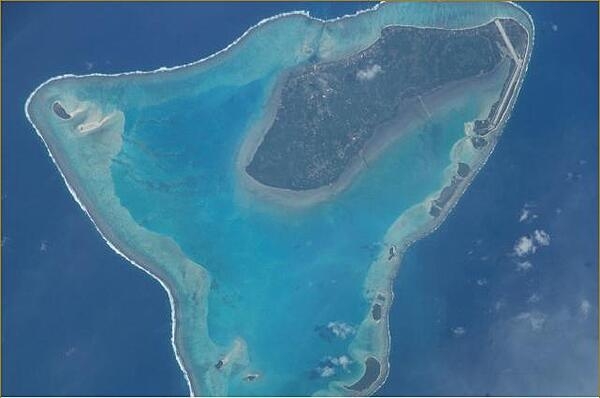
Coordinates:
(332,118)
(273,188)
(330,114)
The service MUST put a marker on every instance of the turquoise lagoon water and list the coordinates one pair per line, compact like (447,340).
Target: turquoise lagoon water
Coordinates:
(253,281)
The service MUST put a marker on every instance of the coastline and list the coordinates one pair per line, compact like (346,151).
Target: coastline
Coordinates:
(412,117)
(86,206)
(404,244)
(139,261)
(179,355)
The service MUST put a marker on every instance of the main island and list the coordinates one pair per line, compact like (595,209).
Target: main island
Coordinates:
(273,187)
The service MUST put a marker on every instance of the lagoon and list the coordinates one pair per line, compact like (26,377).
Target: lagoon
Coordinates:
(280,291)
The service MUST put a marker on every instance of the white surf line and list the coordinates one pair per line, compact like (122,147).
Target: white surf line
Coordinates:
(522,70)
(262,22)
(507,42)
(114,247)
(163,69)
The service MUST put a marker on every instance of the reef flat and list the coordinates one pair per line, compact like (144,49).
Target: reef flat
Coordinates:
(283,287)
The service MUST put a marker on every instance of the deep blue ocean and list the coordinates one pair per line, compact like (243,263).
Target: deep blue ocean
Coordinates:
(79,320)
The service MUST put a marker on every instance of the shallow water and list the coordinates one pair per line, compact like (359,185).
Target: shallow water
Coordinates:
(465,274)
(161,176)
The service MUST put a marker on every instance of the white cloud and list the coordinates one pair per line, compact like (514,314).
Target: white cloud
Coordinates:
(527,213)
(498,305)
(524,246)
(341,329)
(563,352)
(329,365)
(459,331)
(326,371)
(585,308)
(534,298)
(541,237)
(528,245)
(482,282)
(43,246)
(524,265)
(342,361)
(369,72)
(536,319)
(524,215)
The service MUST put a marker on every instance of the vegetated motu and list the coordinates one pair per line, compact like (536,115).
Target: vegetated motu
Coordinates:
(329,111)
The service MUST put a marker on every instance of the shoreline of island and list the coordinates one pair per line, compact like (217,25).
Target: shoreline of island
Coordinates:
(415,115)
(106,234)
(193,386)
(180,356)
(435,222)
